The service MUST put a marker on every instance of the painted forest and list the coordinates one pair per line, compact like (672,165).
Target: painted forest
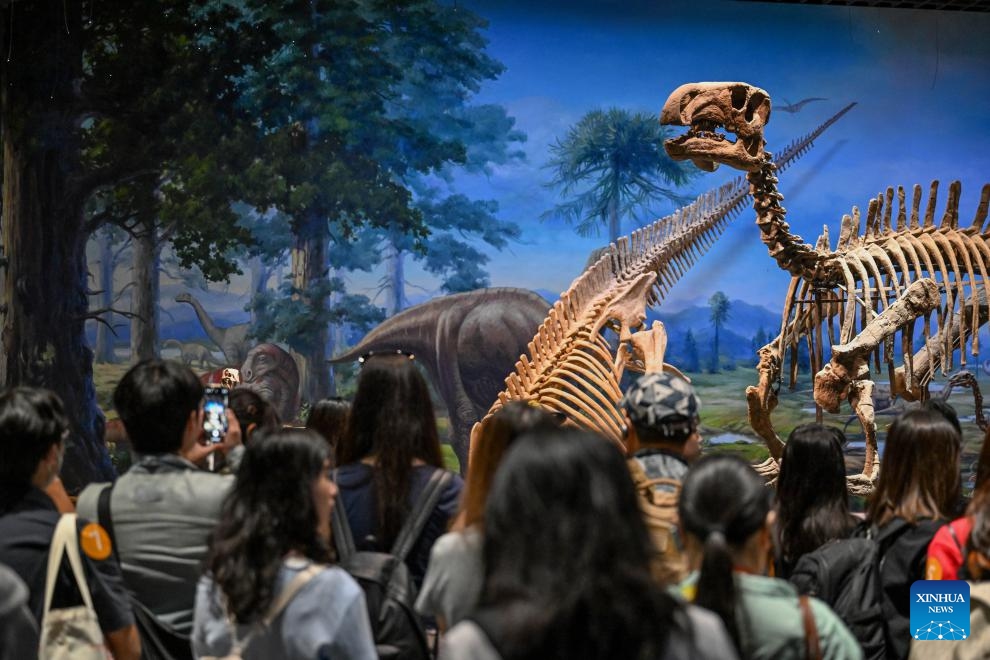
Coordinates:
(205,139)
(178,174)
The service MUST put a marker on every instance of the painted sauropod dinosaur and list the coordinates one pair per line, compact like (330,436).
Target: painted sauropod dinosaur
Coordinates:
(190,352)
(232,340)
(569,366)
(467,342)
(271,372)
(849,286)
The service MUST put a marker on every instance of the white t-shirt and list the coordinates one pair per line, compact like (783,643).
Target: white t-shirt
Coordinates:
(454,577)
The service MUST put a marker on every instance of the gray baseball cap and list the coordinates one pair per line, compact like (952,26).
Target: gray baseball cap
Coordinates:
(661,399)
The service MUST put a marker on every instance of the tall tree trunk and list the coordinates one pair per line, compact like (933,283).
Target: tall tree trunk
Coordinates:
(614,225)
(144,294)
(395,279)
(309,271)
(104,329)
(260,273)
(335,338)
(43,277)
(715,359)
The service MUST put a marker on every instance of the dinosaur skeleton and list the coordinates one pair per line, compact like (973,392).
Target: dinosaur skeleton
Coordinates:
(570,367)
(865,274)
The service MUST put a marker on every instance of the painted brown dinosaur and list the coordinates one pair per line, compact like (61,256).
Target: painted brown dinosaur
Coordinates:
(270,370)
(231,340)
(834,294)
(570,366)
(467,342)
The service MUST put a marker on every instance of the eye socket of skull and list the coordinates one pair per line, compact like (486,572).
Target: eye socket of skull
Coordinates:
(758,106)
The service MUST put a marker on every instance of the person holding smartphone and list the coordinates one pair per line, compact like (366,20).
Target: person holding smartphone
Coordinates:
(165,507)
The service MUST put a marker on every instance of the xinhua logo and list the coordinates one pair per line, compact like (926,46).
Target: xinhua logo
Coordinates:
(940,609)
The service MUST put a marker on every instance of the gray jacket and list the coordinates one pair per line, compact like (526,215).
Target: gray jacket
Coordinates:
(164,510)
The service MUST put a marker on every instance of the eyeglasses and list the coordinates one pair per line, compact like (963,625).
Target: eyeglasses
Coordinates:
(398,351)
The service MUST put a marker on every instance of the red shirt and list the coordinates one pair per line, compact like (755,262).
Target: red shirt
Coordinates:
(945,552)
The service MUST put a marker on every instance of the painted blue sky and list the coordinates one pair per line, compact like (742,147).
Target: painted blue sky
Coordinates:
(921,80)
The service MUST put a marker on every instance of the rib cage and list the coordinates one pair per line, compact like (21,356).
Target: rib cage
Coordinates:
(873,265)
(569,365)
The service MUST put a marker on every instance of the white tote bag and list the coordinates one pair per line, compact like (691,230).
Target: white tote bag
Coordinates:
(70,632)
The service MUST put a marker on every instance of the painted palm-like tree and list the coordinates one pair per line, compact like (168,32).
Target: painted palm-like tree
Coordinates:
(610,164)
(719,305)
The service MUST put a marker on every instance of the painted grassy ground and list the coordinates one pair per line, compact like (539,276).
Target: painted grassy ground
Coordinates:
(723,416)
(724,412)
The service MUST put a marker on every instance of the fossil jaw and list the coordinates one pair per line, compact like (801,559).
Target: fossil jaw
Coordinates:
(709,108)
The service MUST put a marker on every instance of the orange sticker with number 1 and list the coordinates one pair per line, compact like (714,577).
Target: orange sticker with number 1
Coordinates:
(95,542)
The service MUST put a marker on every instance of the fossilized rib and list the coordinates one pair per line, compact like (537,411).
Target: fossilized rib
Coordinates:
(569,366)
(872,266)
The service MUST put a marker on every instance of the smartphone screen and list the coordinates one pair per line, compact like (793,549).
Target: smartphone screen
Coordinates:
(215,413)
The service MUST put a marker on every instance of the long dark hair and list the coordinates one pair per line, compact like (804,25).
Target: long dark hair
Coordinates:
(268,512)
(328,417)
(919,478)
(392,420)
(567,554)
(812,501)
(723,503)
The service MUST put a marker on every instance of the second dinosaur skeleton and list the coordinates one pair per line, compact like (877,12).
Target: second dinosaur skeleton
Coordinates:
(570,367)
(866,272)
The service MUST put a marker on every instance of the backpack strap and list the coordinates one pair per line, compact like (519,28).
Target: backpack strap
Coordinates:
(420,513)
(886,539)
(955,539)
(812,644)
(343,538)
(290,591)
(105,519)
(238,645)
(65,541)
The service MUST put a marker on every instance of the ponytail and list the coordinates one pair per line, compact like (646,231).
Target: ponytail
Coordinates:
(716,584)
(723,503)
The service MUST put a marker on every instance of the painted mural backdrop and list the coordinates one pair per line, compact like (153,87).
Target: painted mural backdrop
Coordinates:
(471,176)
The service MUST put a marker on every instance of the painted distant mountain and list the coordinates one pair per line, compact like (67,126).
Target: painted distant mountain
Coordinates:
(745,322)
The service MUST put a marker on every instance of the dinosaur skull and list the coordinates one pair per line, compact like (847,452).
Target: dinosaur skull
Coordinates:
(706,107)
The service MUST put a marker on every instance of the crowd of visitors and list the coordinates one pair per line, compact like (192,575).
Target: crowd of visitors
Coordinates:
(336,540)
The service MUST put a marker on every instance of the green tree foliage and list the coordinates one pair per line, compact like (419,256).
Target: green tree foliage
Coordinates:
(719,306)
(102,106)
(325,145)
(161,142)
(456,261)
(612,164)
(441,51)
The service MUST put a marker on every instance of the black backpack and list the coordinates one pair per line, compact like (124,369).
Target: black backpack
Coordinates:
(845,574)
(388,586)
